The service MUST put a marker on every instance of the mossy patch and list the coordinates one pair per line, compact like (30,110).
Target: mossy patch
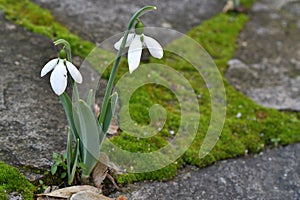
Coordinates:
(248,128)
(11,180)
(247,3)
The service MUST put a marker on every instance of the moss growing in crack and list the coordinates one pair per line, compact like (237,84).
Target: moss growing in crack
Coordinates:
(13,181)
(218,36)
(247,3)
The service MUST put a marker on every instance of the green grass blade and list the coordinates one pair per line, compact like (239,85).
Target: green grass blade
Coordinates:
(110,111)
(90,137)
(89,99)
(89,134)
(72,168)
(69,109)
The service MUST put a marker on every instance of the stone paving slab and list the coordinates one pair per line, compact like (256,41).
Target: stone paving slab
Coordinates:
(268,65)
(271,175)
(96,20)
(32,121)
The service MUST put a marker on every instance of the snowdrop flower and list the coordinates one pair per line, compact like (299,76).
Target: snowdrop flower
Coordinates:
(59,78)
(136,41)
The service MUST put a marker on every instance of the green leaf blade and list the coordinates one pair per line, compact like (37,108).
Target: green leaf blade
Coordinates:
(89,135)
(69,111)
(111,107)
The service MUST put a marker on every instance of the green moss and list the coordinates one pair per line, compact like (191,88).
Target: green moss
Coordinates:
(161,174)
(255,129)
(247,3)
(11,180)
(218,36)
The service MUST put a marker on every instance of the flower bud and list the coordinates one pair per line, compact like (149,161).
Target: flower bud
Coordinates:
(62,54)
(139,28)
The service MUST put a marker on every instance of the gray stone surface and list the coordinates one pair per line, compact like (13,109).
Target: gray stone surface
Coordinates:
(268,65)
(32,122)
(271,175)
(15,196)
(97,20)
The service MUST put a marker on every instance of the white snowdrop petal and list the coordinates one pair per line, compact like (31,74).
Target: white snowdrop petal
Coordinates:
(134,53)
(128,41)
(74,72)
(118,44)
(154,47)
(58,78)
(49,66)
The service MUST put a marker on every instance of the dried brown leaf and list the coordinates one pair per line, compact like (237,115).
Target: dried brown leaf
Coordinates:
(113,129)
(65,193)
(229,6)
(121,198)
(89,195)
(99,174)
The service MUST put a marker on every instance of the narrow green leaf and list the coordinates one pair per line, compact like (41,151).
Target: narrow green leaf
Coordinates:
(74,164)
(77,123)
(64,156)
(89,134)
(72,158)
(89,99)
(69,111)
(63,175)
(81,166)
(55,156)
(53,169)
(69,153)
(111,107)
(90,137)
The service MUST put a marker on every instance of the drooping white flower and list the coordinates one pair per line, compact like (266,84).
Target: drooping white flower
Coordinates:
(59,77)
(136,43)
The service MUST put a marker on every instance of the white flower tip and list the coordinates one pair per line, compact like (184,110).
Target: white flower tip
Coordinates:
(117,45)
(58,79)
(58,93)
(154,47)
(133,66)
(43,73)
(134,53)
(157,53)
(128,41)
(78,79)
(131,70)
(76,75)
(49,66)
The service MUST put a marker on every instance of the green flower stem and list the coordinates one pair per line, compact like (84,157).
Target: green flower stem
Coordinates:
(67,46)
(235,3)
(117,61)
(64,98)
